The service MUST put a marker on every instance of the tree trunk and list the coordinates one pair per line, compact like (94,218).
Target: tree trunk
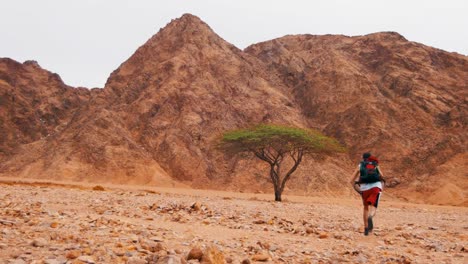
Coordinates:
(276,182)
(277,195)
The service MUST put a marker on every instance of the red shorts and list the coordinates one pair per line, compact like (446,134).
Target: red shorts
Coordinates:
(371,196)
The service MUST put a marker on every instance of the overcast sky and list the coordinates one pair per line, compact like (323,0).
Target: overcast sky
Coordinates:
(85,40)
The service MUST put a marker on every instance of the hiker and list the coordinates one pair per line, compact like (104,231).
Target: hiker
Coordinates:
(367,180)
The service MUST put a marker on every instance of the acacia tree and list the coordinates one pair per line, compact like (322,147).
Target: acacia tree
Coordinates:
(274,144)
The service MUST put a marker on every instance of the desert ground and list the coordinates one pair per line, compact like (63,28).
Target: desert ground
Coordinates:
(43,222)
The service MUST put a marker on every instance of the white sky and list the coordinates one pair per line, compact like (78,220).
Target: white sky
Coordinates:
(85,40)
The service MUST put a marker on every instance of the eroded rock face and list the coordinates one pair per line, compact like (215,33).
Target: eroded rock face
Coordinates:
(404,101)
(162,111)
(34,103)
(183,88)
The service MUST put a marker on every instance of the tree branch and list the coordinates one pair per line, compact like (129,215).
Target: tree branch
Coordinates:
(292,154)
(280,157)
(270,155)
(274,176)
(261,155)
(297,161)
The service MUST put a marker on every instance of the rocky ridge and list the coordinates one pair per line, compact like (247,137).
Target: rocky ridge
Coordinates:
(161,112)
(34,103)
(382,92)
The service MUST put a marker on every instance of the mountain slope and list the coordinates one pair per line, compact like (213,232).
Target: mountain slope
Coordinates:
(161,113)
(34,103)
(403,100)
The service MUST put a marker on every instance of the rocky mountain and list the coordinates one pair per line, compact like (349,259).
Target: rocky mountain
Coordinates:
(160,114)
(34,103)
(404,100)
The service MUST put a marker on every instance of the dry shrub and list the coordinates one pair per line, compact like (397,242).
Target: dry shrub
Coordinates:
(98,188)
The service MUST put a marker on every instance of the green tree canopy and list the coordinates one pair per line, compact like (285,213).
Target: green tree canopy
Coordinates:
(275,143)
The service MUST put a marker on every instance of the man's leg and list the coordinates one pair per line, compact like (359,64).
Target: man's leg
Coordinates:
(365,217)
(370,222)
(372,212)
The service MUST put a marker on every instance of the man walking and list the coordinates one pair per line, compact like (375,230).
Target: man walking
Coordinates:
(367,180)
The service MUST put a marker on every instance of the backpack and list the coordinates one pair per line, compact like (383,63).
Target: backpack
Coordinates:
(369,172)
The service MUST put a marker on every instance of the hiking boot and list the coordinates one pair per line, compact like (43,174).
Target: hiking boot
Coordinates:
(370,223)
(366,231)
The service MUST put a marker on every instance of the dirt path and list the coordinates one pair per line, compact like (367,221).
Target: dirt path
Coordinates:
(71,223)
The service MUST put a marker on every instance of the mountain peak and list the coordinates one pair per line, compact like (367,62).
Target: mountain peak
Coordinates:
(387,35)
(188,29)
(187,24)
(189,17)
(184,36)
(32,63)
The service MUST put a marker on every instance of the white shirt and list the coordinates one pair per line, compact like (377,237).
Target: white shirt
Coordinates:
(368,186)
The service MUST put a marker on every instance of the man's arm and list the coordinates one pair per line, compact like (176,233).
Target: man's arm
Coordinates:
(381,174)
(380,171)
(355,177)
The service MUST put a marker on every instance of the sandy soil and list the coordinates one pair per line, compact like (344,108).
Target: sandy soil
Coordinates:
(72,223)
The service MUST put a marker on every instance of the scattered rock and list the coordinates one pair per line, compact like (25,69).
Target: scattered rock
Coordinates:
(323,235)
(98,188)
(17,261)
(151,246)
(87,251)
(196,206)
(54,261)
(73,254)
(86,259)
(195,253)
(261,257)
(135,260)
(119,252)
(134,238)
(132,248)
(81,236)
(212,256)
(171,259)
(338,236)
(40,242)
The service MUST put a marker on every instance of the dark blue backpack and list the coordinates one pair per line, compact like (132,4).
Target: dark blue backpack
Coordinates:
(369,171)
